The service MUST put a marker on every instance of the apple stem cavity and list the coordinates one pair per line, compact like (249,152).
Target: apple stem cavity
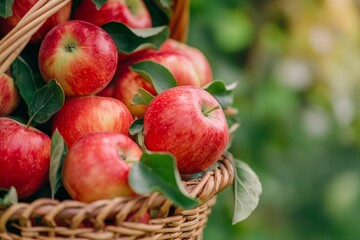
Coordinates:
(207,112)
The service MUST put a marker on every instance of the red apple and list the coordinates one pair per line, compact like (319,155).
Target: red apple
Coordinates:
(198,59)
(176,57)
(24,157)
(97,166)
(9,95)
(81,56)
(187,122)
(21,7)
(130,12)
(127,86)
(82,115)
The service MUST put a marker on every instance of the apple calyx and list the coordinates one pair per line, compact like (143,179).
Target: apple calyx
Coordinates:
(29,122)
(70,47)
(207,112)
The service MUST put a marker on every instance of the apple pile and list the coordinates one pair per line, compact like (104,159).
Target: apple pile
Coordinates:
(105,93)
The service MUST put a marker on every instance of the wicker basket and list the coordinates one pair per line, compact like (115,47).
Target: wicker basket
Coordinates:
(105,219)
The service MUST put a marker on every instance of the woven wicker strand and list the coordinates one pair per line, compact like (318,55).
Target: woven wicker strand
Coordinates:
(105,219)
(15,41)
(179,22)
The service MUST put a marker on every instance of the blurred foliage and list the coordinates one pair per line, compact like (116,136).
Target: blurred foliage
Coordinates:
(297,64)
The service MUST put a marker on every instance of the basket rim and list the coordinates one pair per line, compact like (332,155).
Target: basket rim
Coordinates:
(204,188)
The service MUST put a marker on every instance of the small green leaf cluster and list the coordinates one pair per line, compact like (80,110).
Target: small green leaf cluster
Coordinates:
(42,100)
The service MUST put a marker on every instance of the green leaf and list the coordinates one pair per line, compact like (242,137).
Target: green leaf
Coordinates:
(155,73)
(143,97)
(128,40)
(165,3)
(136,130)
(165,6)
(223,94)
(8,196)
(30,56)
(99,3)
(137,126)
(46,101)
(247,190)
(25,80)
(158,172)
(6,8)
(232,129)
(58,153)
(160,11)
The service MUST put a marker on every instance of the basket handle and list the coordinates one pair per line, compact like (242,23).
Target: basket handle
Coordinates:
(179,22)
(16,40)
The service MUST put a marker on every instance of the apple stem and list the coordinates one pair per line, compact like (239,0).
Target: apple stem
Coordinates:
(131,161)
(206,113)
(140,141)
(29,122)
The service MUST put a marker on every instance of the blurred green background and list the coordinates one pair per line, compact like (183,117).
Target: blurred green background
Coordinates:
(298,68)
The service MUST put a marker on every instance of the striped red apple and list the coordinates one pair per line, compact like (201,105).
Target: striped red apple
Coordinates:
(24,157)
(9,95)
(79,55)
(133,13)
(97,166)
(82,115)
(189,123)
